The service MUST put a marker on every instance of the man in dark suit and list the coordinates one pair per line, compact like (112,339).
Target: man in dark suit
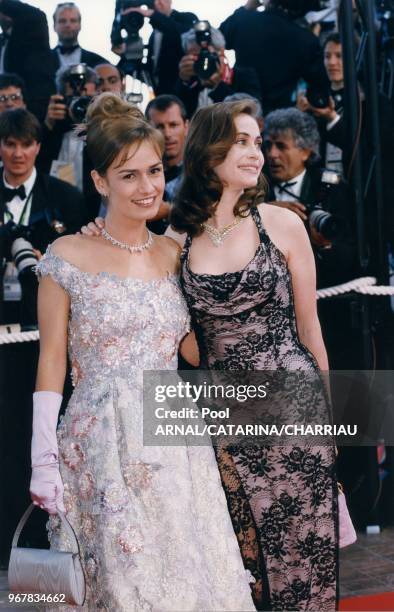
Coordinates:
(278,49)
(164,46)
(67,25)
(37,207)
(25,50)
(291,141)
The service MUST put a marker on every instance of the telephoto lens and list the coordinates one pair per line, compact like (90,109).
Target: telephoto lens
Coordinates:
(23,255)
(25,261)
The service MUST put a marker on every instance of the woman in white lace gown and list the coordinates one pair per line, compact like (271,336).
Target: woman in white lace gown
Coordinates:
(152,522)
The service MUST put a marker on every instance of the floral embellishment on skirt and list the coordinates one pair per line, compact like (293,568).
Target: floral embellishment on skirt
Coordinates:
(131,540)
(86,485)
(138,475)
(114,498)
(82,424)
(73,456)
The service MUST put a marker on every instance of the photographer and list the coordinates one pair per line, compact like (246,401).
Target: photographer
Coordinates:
(34,210)
(25,50)
(164,46)
(280,51)
(204,75)
(62,150)
(322,200)
(333,130)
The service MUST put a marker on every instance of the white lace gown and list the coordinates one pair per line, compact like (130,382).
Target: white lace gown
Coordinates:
(152,522)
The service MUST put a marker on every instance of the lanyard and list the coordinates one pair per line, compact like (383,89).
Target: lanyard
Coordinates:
(24,210)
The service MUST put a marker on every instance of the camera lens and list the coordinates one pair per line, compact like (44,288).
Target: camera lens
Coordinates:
(206,65)
(324,223)
(78,108)
(23,255)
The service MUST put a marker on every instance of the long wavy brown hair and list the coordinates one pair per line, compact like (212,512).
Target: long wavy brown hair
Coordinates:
(211,135)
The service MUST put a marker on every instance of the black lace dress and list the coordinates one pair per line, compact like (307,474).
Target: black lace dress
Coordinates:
(282,499)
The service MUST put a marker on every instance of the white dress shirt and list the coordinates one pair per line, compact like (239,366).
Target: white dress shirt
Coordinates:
(69,59)
(16,205)
(295,190)
(71,152)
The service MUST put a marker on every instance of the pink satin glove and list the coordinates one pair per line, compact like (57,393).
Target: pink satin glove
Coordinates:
(46,487)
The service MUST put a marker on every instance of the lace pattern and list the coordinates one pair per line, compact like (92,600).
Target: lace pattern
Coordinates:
(246,321)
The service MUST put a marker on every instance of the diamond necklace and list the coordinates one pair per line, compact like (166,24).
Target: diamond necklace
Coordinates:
(219,236)
(128,247)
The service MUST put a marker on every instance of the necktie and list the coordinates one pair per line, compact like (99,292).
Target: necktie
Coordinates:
(67,50)
(285,186)
(9,194)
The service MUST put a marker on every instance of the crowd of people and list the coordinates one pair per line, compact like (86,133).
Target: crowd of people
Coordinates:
(253,159)
(307,154)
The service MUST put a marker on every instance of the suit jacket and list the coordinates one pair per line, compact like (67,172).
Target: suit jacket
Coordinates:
(165,74)
(87,57)
(28,53)
(279,50)
(53,200)
(245,80)
(338,264)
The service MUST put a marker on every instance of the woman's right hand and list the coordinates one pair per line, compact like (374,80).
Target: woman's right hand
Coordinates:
(94,227)
(46,488)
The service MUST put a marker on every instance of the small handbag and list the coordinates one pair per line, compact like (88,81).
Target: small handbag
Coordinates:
(347,533)
(49,572)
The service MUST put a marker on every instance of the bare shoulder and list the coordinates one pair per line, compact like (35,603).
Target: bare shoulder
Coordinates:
(74,248)
(170,252)
(171,245)
(280,218)
(176,236)
(284,228)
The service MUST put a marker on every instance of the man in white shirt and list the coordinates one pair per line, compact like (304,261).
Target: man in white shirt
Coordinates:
(67,25)
(291,140)
(34,206)
(326,205)
(62,151)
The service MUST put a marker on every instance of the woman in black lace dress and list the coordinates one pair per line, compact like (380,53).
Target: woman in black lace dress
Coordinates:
(249,279)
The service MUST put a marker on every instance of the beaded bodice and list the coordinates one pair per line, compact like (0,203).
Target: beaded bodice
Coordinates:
(113,320)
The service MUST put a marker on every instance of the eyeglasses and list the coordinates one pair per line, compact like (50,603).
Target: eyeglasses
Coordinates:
(12,97)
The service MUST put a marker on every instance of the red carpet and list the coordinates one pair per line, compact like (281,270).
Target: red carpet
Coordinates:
(370,603)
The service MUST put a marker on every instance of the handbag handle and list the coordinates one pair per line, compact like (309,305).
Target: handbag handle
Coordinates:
(70,531)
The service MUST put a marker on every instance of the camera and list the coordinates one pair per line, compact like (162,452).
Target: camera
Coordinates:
(77,103)
(20,250)
(324,222)
(131,23)
(317,98)
(208,61)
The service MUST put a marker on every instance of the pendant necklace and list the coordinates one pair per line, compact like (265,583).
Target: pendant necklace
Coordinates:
(219,236)
(128,247)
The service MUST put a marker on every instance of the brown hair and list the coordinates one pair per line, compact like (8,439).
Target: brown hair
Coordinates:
(112,126)
(20,124)
(211,135)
